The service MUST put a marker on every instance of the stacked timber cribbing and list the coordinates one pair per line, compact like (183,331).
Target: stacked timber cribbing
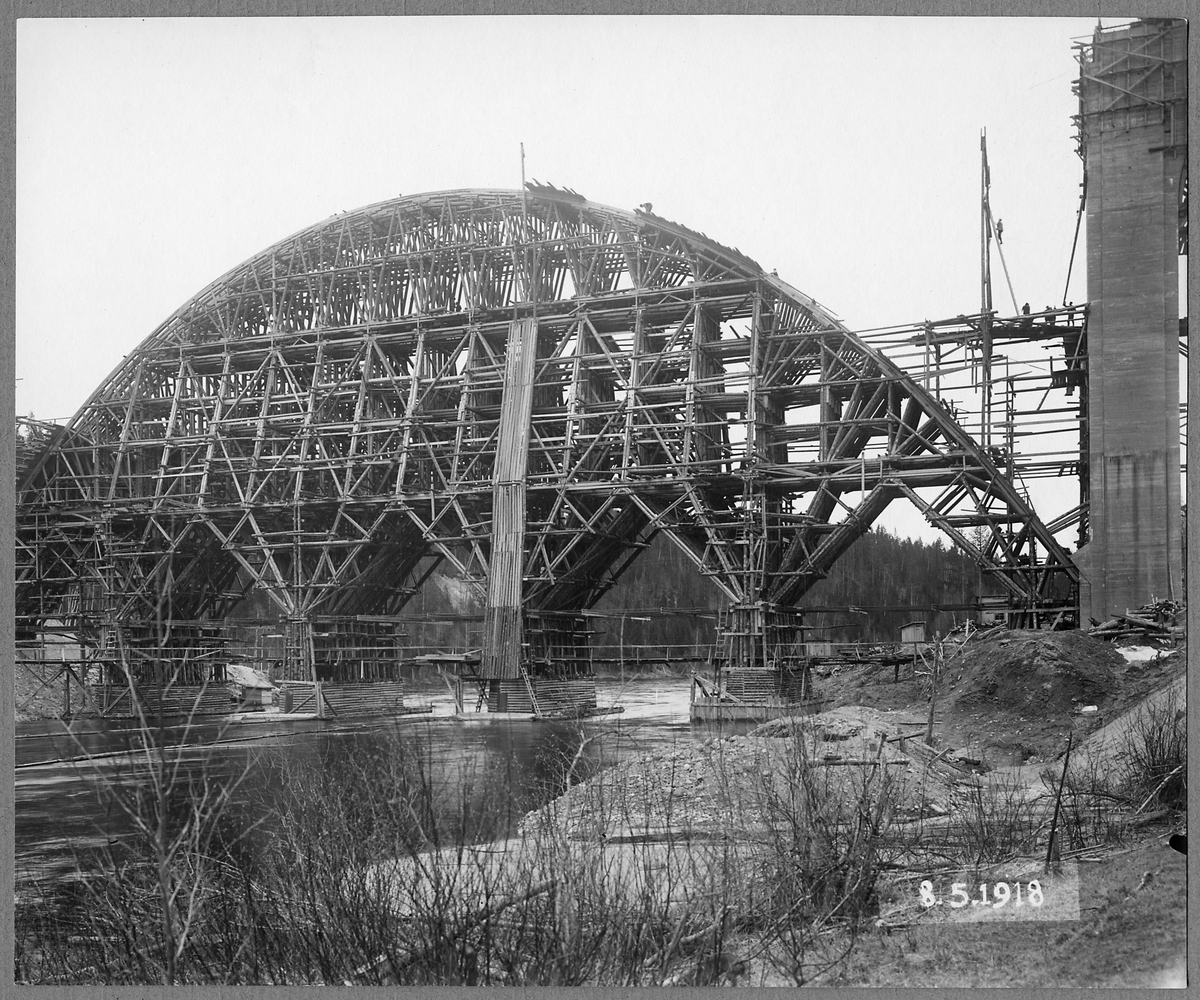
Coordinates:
(508,696)
(183,700)
(752,685)
(794,684)
(572,696)
(383,698)
(555,696)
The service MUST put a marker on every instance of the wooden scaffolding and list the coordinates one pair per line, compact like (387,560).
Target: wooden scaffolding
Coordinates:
(523,387)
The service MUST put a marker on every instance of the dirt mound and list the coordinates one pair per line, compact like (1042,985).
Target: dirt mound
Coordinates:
(836,724)
(711,788)
(1114,736)
(1033,673)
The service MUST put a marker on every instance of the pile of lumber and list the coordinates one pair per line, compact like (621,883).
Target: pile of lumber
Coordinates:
(968,631)
(1157,620)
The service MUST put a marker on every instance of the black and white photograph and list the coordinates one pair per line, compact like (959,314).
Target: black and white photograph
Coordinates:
(621,500)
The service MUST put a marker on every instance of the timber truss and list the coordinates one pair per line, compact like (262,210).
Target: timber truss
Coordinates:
(333,418)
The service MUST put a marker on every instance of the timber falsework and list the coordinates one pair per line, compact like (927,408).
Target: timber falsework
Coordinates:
(523,386)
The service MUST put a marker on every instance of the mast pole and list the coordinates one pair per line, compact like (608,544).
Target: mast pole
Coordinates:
(985,292)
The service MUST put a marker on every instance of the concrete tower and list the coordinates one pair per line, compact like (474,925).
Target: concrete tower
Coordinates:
(1133,130)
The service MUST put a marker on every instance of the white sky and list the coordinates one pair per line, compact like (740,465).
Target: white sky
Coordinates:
(154,155)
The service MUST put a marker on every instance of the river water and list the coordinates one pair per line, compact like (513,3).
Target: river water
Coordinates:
(61,811)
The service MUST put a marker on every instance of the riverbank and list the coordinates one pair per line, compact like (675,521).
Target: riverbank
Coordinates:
(649,851)
(33,701)
(745,848)
(971,807)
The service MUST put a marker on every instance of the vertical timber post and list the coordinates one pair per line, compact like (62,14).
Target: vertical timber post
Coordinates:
(934,675)
(310,650)
(985,293)
(503,632)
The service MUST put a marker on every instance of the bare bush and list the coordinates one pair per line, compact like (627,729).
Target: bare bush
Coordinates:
(1151,763)
(1105,794)
(827,840)
(999,821)
(1093,813)
(680,868)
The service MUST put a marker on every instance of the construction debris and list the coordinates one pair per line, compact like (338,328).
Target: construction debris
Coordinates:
(1156,621)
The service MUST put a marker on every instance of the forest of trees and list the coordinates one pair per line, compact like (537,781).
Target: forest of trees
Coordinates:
(879,571)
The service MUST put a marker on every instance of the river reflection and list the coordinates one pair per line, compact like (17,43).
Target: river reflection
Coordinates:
(60,809)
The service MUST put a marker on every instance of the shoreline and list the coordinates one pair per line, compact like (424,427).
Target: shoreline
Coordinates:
(47,708)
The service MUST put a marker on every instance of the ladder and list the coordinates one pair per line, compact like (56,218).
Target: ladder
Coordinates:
(529,687)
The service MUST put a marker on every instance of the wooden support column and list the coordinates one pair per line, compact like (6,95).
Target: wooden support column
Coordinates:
(502,630)
(706,430)
(831,407)
(639,367)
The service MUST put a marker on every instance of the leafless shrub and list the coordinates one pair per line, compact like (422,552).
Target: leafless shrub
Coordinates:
(999,820)
(829,834)
(137,907)
(375,871)
(1151,763)
(1092,812)
(1104,794)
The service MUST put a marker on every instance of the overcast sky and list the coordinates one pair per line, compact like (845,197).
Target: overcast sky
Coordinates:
(154,155)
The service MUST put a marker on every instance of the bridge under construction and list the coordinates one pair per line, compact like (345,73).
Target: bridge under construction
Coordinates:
(526,387)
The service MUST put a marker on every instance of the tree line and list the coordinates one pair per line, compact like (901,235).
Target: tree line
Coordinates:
(888,580)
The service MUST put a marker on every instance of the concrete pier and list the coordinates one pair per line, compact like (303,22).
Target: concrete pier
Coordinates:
(1133,130)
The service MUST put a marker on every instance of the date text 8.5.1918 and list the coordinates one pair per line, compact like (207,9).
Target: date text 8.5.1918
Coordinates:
(1002,894)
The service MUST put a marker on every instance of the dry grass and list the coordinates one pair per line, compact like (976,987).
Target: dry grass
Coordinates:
(733,860)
